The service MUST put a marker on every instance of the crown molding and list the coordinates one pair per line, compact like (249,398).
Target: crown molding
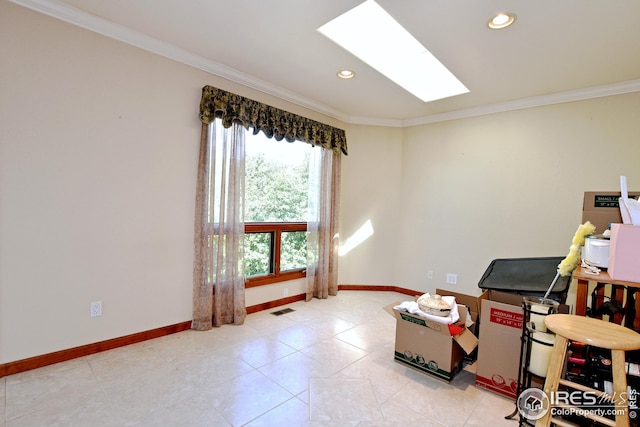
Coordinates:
(532,102)
(77,17)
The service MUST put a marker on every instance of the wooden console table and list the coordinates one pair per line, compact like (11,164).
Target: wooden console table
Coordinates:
(582,291)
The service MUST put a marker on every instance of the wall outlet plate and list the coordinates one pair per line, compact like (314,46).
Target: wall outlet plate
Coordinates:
(96,308)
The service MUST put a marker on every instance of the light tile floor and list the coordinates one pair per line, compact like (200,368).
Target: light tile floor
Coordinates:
(328,363)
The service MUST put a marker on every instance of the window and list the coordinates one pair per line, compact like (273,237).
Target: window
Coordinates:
(276,193)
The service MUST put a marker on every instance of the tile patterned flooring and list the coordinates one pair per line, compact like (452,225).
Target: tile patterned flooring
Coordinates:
(328,363)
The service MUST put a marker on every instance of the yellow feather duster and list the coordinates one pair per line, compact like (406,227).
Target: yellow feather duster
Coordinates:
(572,260)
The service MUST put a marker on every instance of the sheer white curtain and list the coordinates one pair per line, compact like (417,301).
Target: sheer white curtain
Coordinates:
(322,226)
(218,276)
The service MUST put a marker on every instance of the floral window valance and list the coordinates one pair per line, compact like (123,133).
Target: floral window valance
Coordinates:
(276,123)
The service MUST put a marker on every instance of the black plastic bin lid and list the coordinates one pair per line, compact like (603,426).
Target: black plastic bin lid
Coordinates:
(524,275)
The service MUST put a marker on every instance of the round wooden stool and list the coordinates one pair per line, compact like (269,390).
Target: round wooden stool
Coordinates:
(596,333)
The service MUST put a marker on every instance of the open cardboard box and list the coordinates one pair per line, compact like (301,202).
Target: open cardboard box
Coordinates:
(472,303)
(429,346)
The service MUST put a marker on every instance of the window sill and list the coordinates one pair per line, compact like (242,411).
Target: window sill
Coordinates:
(270,279)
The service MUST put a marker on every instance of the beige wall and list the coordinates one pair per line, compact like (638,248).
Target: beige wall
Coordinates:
(371,192)
(98,152)
(97,174)
(461,193)
(507,185)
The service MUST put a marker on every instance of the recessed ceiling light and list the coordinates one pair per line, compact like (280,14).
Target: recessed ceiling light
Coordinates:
(501,20)
(346,74)
(371,34)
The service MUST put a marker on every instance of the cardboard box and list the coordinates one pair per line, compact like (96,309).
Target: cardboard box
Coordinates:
(428,346)
(501,318)
(601,208)
(498,365)
(624,253)
(470,302)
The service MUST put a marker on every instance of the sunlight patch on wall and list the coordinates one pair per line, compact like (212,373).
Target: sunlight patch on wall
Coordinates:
(362,234)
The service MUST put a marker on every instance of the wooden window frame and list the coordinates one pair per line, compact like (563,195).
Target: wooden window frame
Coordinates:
(275,229)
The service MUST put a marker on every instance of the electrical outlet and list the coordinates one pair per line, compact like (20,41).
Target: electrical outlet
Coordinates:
(96,308)
(430,274)
(452,279)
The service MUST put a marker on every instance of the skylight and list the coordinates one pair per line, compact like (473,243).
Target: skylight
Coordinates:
(371,34)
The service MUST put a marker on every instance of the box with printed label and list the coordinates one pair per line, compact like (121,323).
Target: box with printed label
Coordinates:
(602,208)
(433,348)
(501,318)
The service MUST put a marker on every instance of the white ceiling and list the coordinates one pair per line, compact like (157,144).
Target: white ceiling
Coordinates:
(557,51)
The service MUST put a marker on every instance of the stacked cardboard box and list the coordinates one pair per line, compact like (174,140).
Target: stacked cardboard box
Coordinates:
(601,208)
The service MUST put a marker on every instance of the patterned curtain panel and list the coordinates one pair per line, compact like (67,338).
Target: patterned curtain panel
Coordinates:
(218,272)
(275,123)
(322,226)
